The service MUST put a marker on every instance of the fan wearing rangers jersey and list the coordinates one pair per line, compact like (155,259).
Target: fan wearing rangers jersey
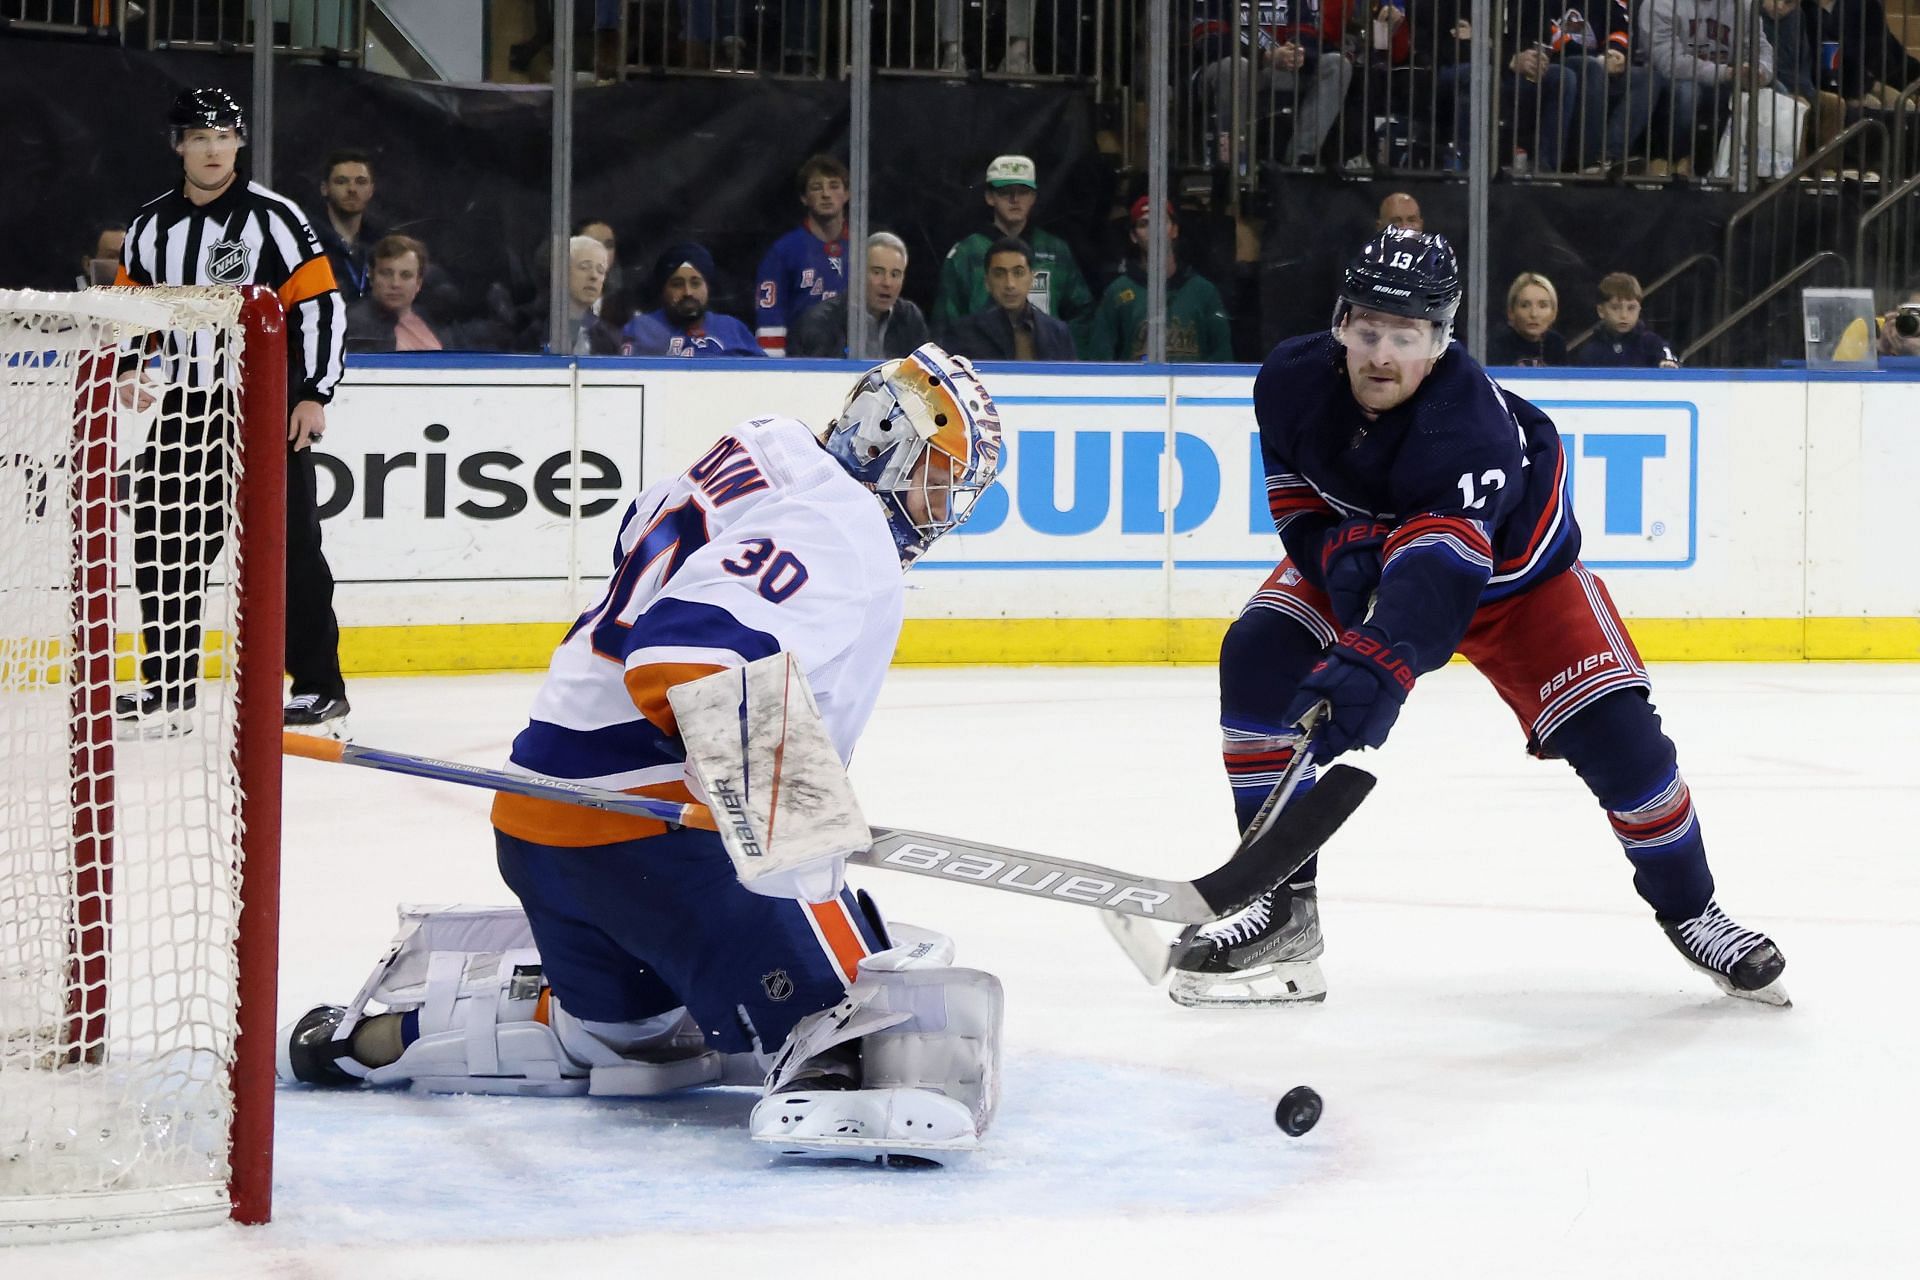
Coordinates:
(217,228)
(1426,511)
(807,265)
(660,962)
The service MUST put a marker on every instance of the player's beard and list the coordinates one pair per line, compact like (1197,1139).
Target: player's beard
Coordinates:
(687,311)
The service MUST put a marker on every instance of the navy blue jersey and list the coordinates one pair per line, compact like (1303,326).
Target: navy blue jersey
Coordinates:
(799,272)
(1470,478)
(1637,348)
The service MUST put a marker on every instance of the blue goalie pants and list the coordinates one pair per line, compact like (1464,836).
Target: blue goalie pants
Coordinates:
(637,928)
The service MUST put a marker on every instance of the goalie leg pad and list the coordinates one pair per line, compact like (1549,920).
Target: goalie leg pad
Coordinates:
(482,1029)
(467,1011)
(929,1081)
(440,958)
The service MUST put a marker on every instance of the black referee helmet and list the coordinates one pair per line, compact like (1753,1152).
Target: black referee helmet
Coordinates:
(204,109)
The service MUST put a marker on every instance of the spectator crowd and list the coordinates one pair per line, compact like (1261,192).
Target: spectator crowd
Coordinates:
(1010,291)
(1621,88)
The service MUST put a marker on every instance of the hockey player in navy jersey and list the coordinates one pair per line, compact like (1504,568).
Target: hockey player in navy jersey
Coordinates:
(1425,512)
(640,963)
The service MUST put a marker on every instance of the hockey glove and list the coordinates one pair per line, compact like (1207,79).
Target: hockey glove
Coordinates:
(1350,566)
(1363,680)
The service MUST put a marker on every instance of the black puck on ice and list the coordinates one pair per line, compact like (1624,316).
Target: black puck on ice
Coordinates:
(1299,1110)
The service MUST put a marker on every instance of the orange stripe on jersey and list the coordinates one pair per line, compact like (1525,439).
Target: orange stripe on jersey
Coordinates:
(647,685)
(572,826)
(121,278)
(309,280)
(838,933)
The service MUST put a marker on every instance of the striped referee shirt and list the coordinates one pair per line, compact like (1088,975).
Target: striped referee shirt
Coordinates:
(250,235)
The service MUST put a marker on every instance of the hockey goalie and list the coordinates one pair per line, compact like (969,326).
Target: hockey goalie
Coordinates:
(643,958)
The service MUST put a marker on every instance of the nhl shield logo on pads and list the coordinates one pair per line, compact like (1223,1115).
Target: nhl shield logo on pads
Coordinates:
(777,985)
(229,262)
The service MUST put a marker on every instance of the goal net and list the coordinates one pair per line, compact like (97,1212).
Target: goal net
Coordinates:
(142,527)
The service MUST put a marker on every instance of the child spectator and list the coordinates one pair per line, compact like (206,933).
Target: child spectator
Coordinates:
(1624,341)
(1528,339)
(682,326)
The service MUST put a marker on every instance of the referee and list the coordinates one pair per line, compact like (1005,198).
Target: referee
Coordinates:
(217,228)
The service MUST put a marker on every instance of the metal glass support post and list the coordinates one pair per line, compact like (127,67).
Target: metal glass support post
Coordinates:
(1159,67)
(860,105)
(560,339)
(260,119)
(1482,129)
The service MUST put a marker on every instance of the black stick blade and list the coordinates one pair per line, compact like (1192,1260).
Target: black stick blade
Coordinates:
(1306,824)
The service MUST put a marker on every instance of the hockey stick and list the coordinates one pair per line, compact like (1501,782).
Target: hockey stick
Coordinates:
(1258,862)
(313,747)
(1152,955)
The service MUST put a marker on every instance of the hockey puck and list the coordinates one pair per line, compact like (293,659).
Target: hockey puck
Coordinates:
(1299,1110)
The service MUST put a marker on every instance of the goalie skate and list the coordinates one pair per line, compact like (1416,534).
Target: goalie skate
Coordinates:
(1258,957)
(1740,961)
(904,1071)
(887,1126)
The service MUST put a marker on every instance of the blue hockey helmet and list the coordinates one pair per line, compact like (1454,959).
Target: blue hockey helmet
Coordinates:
(929,406)
(204,109)
(1405,273)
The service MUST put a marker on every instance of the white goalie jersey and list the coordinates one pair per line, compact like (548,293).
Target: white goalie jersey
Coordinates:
(764,545)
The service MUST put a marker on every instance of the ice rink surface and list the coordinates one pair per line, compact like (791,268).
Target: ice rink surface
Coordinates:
(1521,1076)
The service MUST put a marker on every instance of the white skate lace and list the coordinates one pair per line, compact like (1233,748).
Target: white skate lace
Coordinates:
(1718,941)
(1237,929)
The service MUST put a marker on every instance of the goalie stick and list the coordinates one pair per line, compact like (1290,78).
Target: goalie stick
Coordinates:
(1259,862)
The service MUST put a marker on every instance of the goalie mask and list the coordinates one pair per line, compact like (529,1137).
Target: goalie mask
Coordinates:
(922,433)
(1404,273)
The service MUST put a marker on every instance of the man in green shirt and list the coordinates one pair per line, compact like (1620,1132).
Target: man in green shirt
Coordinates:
(1058,287)
(1196,318)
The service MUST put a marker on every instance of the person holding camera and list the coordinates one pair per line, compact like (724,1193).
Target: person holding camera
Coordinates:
(1900,328)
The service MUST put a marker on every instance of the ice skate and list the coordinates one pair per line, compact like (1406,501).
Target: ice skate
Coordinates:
(1267,954)
(318,714)
(305,1051)
(155,712)
(1742,962)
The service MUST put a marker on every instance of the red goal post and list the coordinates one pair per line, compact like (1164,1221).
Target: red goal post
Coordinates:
(141,430)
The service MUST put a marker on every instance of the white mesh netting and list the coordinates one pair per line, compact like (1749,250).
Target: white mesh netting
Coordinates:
(120,858)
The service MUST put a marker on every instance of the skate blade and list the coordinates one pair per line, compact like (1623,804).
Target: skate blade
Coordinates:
(1297,982)
(892,1152)
(153,728)
(1774,993)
